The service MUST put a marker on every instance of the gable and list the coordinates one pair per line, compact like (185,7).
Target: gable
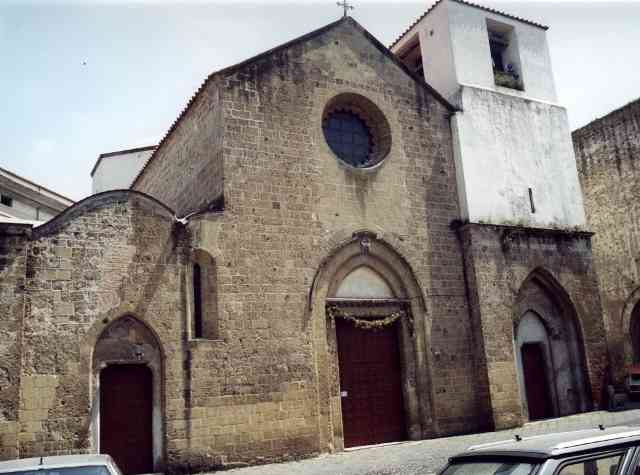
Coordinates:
(279,61)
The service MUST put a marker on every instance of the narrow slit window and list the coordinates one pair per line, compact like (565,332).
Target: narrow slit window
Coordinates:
(203,308)
(197,301)
(533,206)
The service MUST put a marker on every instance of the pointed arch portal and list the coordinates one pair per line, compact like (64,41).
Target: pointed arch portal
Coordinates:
(368,359)
(372,340)
(126,414)
(549,351)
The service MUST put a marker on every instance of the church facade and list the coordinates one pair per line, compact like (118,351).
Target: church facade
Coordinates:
(323,252)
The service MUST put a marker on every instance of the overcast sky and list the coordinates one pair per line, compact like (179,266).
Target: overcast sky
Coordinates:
(145,59)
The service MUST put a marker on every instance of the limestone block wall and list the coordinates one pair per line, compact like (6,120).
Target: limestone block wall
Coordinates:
(13,251)
(185,170)
(112,255)
(500,259)
(608,154)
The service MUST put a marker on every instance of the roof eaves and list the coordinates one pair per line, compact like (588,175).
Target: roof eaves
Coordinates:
(419,79)
(418,20)
(230,70)
(470,4)
(40,187)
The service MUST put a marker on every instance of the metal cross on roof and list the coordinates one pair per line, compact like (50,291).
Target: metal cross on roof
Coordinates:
(345,6)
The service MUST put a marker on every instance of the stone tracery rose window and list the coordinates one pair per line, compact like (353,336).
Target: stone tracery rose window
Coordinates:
(356,130)
(348,136)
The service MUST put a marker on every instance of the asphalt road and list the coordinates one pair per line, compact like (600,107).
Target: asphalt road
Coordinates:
(427,456)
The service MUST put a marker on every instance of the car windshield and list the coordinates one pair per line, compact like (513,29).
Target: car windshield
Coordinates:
(492,467)
(88,470)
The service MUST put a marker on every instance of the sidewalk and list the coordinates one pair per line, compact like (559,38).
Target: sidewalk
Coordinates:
(427,456)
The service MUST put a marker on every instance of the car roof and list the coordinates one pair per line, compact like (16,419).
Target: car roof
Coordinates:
(555,444)
(36,463)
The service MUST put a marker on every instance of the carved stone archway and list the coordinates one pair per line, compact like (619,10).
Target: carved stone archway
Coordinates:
(563,347)
(128,341)
(366,251)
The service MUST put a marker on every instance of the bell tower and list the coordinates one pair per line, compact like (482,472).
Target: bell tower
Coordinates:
(523,220)
(513,150)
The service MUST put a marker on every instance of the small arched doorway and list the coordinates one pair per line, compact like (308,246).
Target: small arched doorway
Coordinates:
(127,416)
(535,365)
(549,351)
(366,313)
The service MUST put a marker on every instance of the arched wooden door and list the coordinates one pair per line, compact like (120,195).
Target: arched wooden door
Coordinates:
(370,383)
(126,405)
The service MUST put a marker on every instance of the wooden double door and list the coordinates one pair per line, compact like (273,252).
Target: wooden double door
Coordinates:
(126,407)
(370,384)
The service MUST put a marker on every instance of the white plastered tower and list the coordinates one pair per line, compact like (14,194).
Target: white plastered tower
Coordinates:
(512,142)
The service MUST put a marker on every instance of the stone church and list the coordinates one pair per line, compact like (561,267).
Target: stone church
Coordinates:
(336,244)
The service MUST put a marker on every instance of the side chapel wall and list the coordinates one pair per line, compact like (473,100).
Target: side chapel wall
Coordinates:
(114,254)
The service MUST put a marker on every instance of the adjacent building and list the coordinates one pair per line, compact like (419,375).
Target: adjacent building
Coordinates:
(608,150)
(116,170)
(22,199)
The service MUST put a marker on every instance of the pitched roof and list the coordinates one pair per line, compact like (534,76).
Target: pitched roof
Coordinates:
(301,39)
(475,5)
(35,187)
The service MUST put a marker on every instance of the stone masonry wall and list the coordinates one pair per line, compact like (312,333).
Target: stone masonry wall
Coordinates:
(13,250)
(501,258)
(608,158)
(289,204)
(112,255)
(194,148)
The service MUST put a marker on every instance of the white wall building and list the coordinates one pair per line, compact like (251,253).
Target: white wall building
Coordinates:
(116,170)
(512,142)
(24,200)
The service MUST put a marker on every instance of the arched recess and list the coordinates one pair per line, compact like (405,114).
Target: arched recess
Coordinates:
(367,279)
(631,328)
(203,296)
(128,358)
(546,328)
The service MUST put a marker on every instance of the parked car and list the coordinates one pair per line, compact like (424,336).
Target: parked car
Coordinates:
(62,465)
(602,451)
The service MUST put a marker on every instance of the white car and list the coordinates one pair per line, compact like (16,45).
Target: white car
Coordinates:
(602,451)
(62,465)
